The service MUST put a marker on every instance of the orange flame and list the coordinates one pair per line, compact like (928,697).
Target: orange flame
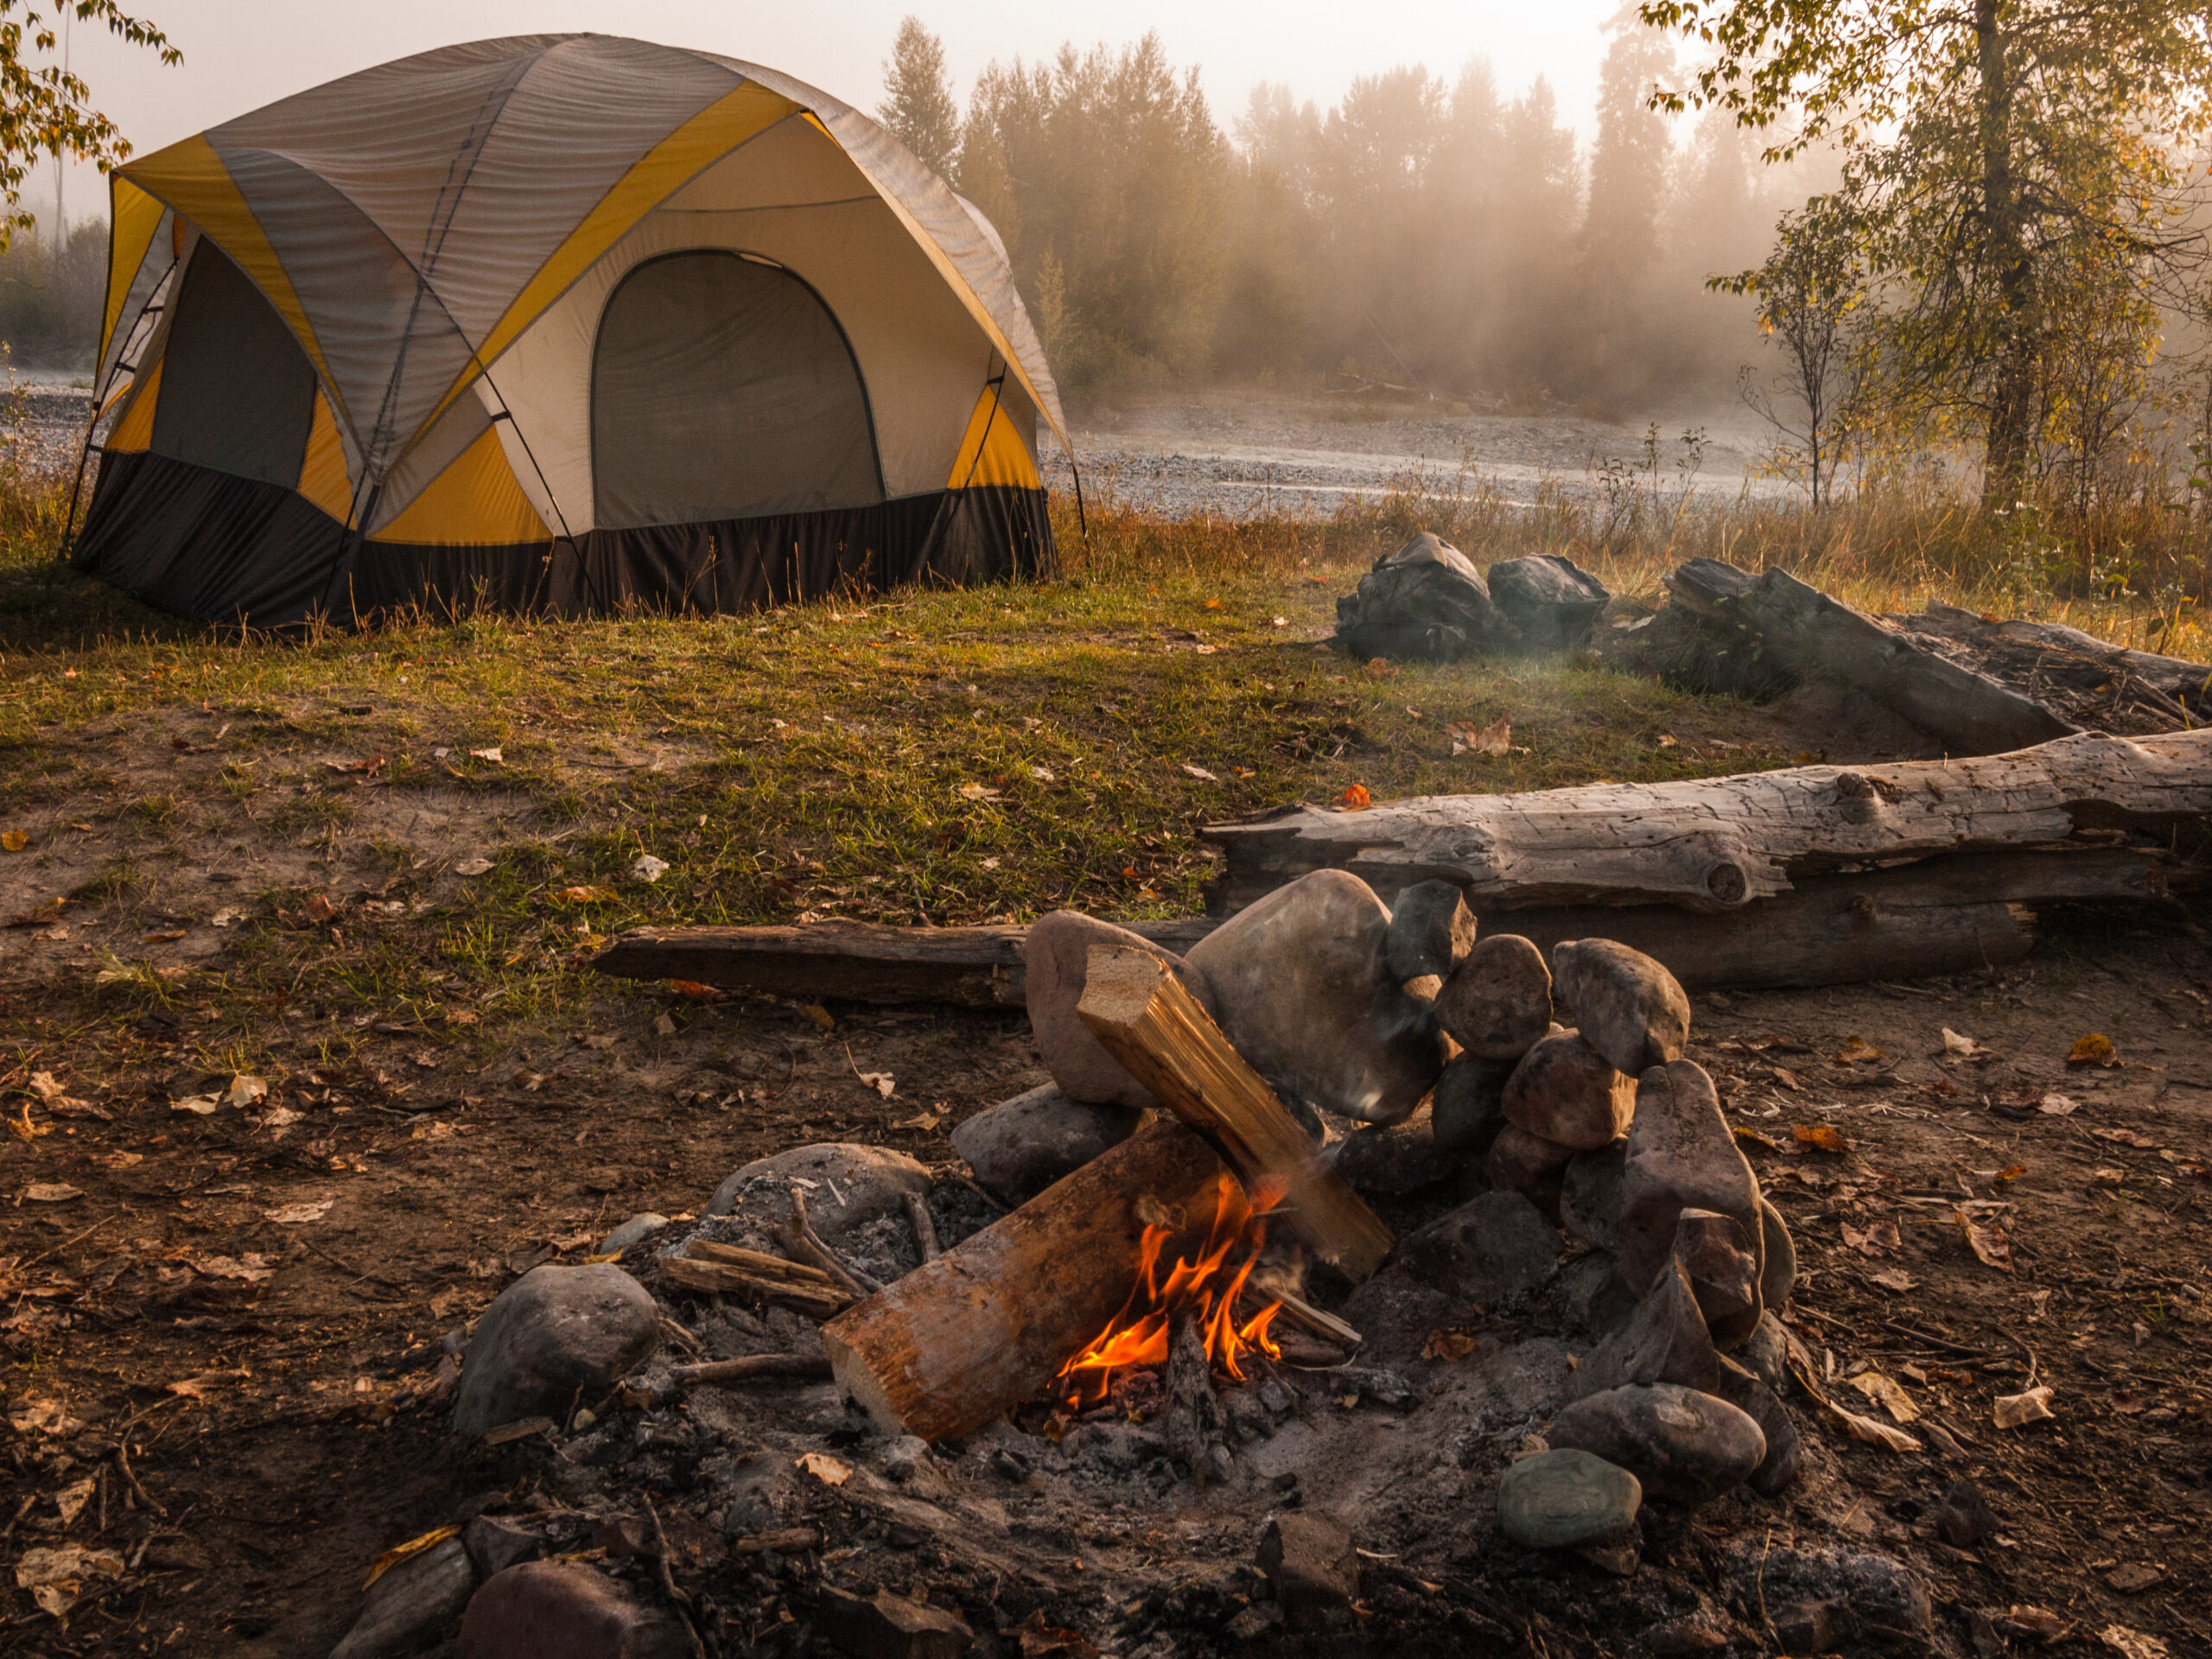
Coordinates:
(1203,1289)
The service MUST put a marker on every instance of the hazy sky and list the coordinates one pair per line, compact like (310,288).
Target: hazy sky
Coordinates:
(239,54)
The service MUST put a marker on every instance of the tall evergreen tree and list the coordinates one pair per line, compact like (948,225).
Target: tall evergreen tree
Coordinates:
(917,107)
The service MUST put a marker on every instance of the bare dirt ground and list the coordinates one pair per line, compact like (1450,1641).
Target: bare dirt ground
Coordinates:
(1242,454)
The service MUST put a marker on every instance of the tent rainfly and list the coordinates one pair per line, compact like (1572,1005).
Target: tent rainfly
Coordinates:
(558,324)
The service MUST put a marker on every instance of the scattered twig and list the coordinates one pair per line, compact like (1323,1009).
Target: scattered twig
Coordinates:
(803,1240)
(123,1463)
(389,1284)
(806,1367)
(1927,1336)
(680,1598)
(21,1510)
(917,1216)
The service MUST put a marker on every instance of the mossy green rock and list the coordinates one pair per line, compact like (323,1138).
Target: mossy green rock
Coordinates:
(1559,1500)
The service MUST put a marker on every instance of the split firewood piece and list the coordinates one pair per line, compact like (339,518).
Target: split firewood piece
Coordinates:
(965,1338)
(807,1367)
(918,1218)
(718,1278)
(1156,1029)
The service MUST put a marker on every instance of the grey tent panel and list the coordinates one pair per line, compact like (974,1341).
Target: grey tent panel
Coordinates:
(722,388)
(236,393)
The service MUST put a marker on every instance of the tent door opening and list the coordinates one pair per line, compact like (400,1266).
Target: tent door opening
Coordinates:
(237,392)
(722,388)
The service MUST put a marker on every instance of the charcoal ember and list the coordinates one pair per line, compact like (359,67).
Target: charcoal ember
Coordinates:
(1431,931)
(1551,600)
(1682,1155)
(1564,1091)
(1194,1423)
(1497,1004)
(1313,1567)
(1873,1602)
(1301,992)
(1020,1146)
(1056,964)
(1468,1108)
(1424,603)
(1626,1005)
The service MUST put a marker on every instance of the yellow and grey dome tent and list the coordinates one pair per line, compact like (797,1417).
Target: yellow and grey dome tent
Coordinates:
(559,323)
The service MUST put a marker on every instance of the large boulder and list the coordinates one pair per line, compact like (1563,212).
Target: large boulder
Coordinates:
(564,1610)
(1431,931)
(1626,1005)
(1497,1002)
(1685,1446)
(1665,1341)
(1681,1156)
(1301,991)
(553,1335)
(1056,961)
(847,1184)
(1468,1108)
(1394,1160)
(1551,600)
(1566,1091)
(1522,1162)
(1020,1146)
(1424,601)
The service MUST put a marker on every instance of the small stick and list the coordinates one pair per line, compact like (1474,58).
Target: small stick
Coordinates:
(918,1216)
(123,1462)
(668,1579)
(1321,1324)
(802,1239)
(807,1367)
(791,1540)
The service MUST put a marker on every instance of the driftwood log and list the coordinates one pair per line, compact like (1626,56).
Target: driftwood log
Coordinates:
(988,1323)
(1716,844)
(2087,680)
(1155,1028)
(852,961)
(1815,637)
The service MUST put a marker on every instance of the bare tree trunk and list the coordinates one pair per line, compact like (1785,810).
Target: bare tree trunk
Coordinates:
(2011,414)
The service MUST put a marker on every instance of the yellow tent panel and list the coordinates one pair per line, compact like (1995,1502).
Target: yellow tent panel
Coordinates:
(475,501)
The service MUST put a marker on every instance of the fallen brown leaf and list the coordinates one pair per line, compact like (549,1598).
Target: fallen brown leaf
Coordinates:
(2013,1410)
(2095,1049)
(1819,1137)
(1880,1239)
(1988,1243)
(1354,799)
(1448,1343)
(1888,1392)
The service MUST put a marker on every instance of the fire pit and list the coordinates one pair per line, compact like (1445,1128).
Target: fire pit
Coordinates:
(1508,1317)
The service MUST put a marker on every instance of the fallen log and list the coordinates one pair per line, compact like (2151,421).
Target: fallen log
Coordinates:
(2080,676)
(1150,1023)
(852,961)
(1717,844)
(1814,636)
(988,1325)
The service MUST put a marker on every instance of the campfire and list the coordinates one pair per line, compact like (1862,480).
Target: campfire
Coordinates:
(1201,1291)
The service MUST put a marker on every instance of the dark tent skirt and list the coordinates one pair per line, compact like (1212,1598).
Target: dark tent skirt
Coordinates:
(227,549)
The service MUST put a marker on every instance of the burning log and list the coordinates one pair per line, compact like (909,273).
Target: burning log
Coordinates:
(1193,1427)
(1156,1029)
(993,1321)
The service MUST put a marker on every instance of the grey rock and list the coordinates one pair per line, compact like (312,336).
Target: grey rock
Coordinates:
(1681,1155)
(1431,931)
(1468,1108)
(1565,1091)
(905,1456)
(1566,1499)
(1522,1162)
(1392,1161)
(1495,1246)
(1497,1004)
(1590,1196)
(555,1334)
(1592,1297)
(853,1186)
(1784,1459)
(1963,1519)
(1685,1446)
(1020,1146)
(1302,993)
(1723,1264)
(1778,1274)
(1313,1567)
(1765,1352)
(1813,1626)
(563,1610)
(1554,602)
(1627,1005)
(494,1545)
(1876,1602)
(1663,1341)
(1056,962)
(636,1230)
(1425,602)
(887,1626)
(411,1605)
